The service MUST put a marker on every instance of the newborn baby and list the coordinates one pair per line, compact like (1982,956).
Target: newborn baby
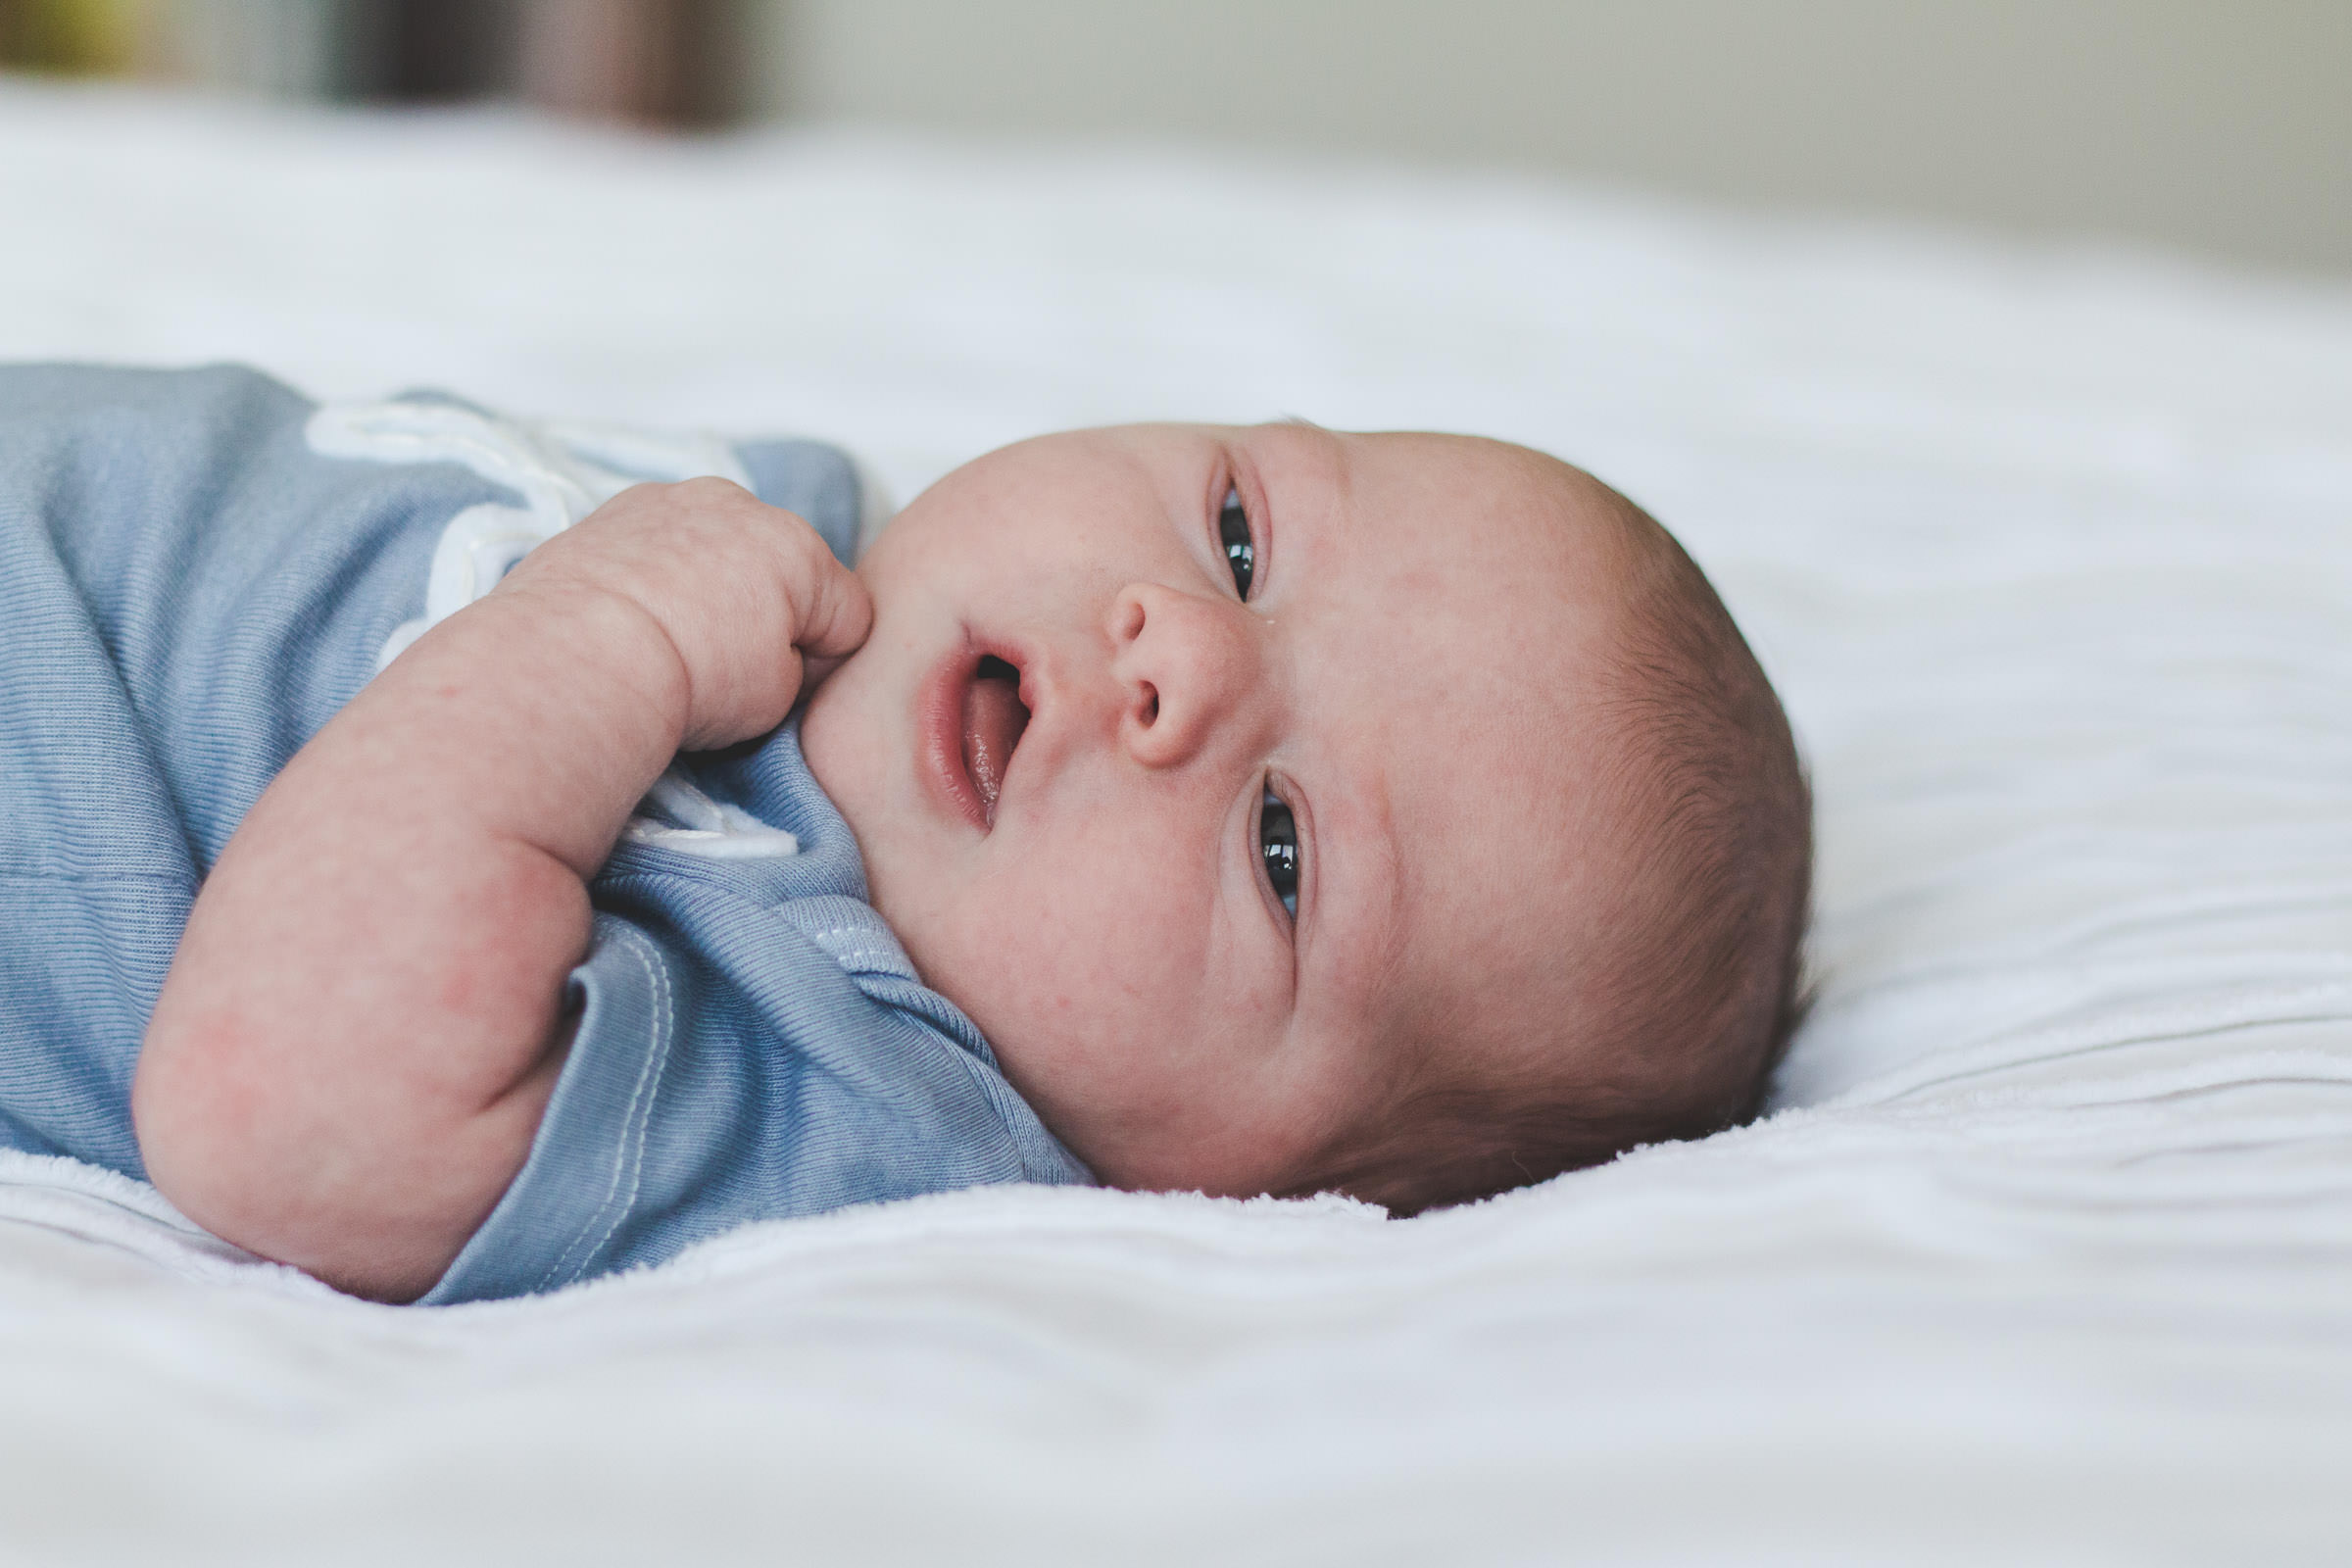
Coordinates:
(1249,811)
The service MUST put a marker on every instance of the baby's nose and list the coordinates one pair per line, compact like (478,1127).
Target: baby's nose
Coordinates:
(1184,663)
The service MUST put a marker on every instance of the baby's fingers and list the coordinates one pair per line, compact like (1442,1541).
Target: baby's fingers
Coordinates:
(738,590)
(831,612)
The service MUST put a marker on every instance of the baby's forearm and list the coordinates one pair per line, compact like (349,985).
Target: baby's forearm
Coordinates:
(360,1030)
(364,1019)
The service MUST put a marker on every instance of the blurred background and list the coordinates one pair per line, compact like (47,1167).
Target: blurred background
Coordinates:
(2219,129)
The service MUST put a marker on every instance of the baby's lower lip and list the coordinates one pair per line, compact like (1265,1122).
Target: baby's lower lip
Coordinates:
(941,718)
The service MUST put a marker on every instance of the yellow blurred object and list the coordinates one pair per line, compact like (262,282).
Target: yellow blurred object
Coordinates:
(72,37)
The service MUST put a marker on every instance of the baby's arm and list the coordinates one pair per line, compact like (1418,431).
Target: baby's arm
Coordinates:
(365,1017)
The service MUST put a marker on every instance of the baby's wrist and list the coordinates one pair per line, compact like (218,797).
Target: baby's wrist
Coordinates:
(563,649)
(606,634)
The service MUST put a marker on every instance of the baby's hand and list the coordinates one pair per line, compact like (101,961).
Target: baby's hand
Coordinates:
(746,596)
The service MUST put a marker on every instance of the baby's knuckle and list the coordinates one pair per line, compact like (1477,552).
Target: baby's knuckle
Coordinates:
(643,496)
(709,490)
(806,542)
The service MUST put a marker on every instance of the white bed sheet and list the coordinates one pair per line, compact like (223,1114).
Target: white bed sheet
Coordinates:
(2045,1254)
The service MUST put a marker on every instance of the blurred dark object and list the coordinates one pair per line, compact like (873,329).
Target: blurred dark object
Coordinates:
(648,61)
(427,50)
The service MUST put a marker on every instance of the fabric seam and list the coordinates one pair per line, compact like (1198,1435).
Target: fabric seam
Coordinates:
(630,1156)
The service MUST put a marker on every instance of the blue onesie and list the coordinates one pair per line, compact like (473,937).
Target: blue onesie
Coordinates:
(197,569)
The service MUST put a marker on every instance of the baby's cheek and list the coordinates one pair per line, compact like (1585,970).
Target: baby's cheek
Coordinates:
(1089,968)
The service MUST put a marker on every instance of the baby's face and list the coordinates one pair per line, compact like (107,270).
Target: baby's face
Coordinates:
(1241,832)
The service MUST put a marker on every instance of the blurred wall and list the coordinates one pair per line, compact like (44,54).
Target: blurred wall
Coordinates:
(2223,125)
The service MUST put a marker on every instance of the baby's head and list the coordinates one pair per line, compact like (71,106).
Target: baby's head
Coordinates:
(1296,811)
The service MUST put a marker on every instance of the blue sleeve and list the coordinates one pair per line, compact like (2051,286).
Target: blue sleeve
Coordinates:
(815,480)
(737,1063)
(187,592)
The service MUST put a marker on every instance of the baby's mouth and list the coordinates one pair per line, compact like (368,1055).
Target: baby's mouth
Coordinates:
(994,717)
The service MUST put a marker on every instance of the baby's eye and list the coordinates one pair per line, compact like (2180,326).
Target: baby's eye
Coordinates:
(1278,846)
(1233,530)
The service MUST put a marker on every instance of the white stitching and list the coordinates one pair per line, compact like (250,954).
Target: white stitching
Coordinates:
(632,1135)
(872,954)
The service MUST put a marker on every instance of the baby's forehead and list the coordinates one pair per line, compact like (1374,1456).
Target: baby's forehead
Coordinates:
(1475,513)
(1469,702)
(1452,557)
(1494,497)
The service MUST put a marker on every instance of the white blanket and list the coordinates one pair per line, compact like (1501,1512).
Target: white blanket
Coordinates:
(2045,1254)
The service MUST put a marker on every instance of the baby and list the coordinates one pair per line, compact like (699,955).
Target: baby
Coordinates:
(1249,811)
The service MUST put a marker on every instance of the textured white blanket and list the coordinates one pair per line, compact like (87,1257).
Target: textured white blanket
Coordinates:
(2046,1253)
